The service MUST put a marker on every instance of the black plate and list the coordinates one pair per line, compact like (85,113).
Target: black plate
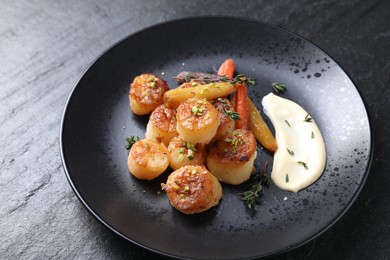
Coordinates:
(97,119)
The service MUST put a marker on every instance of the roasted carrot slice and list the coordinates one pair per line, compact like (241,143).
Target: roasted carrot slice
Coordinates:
(227,68)
(242,107)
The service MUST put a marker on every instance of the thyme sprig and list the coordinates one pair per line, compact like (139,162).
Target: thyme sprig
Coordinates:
(188,77)
(279,87)
(242,79)
(253,196)
(226,110)
(291,152)
(130,141)
(308,118)
(201,77)
(304,165)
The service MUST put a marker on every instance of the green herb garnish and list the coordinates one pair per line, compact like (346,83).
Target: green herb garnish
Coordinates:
(188,77)
(287,123)
(291,152)
(279,87)
(254,194)
(287,178)
(304,165)
(234,142)
(198,111)
(308,119)
(190,146)
(242,79)
(226,110)
(130,141)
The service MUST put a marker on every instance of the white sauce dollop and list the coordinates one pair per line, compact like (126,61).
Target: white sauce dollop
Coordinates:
(300,158)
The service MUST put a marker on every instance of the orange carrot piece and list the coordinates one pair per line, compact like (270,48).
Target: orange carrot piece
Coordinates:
(242,107)
(227,68)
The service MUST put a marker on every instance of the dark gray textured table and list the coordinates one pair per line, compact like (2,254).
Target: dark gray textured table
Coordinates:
(46,45)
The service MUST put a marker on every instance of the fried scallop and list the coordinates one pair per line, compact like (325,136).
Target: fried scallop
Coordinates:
(183,153)
(197,121)
(226,116)
(147,159)
(193,189)
(231,158)
(162,125)
(146,93)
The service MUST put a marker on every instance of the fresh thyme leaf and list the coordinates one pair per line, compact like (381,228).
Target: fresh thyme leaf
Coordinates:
(287,178)
(291,152)
(304,165)
(188,77)
(222,100)
(287,123)
(130,141)
(224,78)
(312,135)
(233,115)
(226,110)
(200,77)
(252,196)
(279,87)
(243,79)
(308,119)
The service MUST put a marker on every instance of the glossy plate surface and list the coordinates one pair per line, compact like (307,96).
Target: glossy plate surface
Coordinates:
(97,119)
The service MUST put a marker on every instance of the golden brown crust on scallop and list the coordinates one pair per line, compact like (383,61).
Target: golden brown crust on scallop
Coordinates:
(147,91)
(162,124)
(164,118)
(145,147)
(236,147)
(226,124)
(193,189)
(147,159)
(195,114)
(183,153)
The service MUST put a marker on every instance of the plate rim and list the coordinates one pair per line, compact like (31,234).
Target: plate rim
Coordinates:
(202,18)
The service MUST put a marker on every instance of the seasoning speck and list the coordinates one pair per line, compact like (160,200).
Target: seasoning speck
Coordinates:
(285,198)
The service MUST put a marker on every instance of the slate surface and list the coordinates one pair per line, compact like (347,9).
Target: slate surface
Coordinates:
(46,45)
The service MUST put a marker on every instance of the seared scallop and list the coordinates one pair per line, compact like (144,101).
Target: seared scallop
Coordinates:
(197,121)
(147,159)
(193,189)
(183,153)
(226,115)
(162,125)
(146,93)
(231,158)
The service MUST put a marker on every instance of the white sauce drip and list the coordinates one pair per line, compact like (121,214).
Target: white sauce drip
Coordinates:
(300,158)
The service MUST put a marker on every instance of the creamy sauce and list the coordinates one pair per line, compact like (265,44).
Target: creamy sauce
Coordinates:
(300,158)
